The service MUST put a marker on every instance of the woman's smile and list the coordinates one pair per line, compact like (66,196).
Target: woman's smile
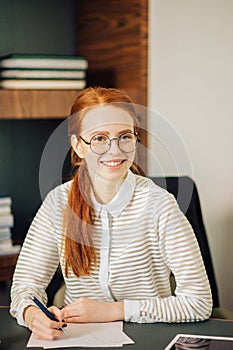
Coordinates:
(113,164)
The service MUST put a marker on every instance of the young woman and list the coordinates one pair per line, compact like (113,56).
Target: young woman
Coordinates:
(116,235)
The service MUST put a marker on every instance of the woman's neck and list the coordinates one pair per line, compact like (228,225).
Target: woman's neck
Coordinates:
(105,190)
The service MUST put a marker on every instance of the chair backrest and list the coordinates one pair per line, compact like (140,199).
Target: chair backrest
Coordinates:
(186,194)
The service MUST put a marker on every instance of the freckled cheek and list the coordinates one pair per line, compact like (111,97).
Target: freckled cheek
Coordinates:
(93,161)
(131,157)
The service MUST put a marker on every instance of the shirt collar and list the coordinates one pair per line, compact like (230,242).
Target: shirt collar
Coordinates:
(120,200)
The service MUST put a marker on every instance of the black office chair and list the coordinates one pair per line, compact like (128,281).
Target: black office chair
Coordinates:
(186,194)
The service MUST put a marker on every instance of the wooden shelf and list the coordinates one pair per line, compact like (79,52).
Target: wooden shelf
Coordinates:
(113,37)
(7,266)
(20,104)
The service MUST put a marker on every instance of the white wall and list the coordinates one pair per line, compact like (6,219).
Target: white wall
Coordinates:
(191,85)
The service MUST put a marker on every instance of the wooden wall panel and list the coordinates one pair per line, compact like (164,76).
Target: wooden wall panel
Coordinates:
(112,35)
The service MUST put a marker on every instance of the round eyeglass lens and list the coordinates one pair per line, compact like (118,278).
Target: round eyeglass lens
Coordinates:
(127,142)
(101,144)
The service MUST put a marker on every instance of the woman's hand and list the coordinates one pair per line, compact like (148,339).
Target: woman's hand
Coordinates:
(40,325)
(85,310)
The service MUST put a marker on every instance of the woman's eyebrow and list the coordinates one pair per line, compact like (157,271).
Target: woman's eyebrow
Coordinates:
(99,132)
(102,132)
(125,131)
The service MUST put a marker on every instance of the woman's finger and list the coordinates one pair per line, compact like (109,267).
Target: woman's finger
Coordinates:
(56,312)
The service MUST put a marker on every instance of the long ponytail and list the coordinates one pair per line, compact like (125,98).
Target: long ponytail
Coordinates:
(78,221)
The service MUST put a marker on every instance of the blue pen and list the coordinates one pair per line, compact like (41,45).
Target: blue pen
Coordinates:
(47,312)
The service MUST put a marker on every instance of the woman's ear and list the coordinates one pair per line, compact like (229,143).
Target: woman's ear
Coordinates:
(76,145)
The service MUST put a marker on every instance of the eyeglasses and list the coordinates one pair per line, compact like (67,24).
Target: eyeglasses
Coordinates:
(101,143)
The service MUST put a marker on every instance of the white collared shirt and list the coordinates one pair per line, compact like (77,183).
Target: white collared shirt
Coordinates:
(106,211)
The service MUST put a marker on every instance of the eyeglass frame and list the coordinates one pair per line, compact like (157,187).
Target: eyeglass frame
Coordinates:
(138,139)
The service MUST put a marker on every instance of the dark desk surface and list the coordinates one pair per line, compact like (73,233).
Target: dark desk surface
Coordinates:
(146,336)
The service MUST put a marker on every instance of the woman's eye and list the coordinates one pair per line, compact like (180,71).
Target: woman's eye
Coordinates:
(126,137)
(100,138)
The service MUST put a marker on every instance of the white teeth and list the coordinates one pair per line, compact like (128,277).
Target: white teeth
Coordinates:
(112,163)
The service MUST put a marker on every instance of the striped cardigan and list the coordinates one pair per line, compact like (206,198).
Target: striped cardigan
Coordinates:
(140,237)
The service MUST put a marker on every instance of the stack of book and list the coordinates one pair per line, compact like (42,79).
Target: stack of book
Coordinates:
(6,223)
(42,72)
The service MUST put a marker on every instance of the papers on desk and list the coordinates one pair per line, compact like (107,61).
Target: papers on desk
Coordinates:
(87,335)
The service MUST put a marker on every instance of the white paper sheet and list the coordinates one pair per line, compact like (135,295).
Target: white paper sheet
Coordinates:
(87,335)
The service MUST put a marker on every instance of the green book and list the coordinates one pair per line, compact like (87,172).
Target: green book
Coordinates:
(17,73)
(43,84)
(5,200)
(43,61)
(6,220)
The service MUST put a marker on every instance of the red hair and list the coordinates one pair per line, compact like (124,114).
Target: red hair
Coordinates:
(79,249)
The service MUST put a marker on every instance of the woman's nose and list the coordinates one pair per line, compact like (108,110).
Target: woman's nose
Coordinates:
(114,146)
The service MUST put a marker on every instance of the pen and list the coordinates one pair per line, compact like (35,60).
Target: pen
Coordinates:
(47,312)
